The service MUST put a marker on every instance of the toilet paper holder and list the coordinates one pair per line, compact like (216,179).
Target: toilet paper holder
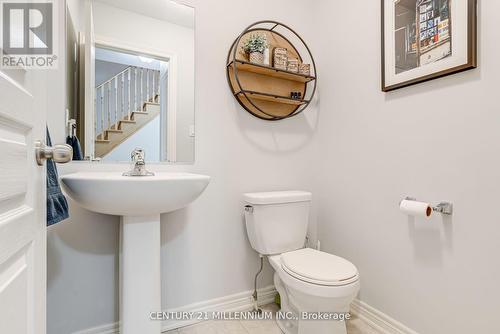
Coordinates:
(445,208)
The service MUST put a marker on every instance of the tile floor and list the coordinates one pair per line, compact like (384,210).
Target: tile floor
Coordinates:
(354,326)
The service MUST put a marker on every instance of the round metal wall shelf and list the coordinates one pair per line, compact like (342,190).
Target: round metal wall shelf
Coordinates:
(262,90)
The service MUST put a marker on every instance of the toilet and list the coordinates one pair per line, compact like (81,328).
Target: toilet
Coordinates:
(309,281)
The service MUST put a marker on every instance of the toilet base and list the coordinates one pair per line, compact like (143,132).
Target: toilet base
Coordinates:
(294,302)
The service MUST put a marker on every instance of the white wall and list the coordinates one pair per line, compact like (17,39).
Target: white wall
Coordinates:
(145,138)
(77,10)
(56,115)
(119,25)
(205,251)
(435,141)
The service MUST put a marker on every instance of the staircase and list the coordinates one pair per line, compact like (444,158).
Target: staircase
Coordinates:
(124,105)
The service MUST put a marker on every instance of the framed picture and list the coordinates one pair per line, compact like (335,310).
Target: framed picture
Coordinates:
(426,39)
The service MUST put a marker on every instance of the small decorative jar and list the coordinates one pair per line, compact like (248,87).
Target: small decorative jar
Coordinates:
(293,65)
(280,58)
(305,69)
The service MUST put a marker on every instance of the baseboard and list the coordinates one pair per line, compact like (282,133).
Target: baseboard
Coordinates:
(243,301)
(105,329)
(378,320)
(234,303)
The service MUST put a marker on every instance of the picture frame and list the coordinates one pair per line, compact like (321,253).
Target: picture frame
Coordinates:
(424,40)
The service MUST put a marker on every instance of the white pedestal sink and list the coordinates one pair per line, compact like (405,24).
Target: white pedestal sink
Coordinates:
(139,201)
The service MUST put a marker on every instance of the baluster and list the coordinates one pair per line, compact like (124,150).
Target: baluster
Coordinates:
(135,89)
(147,85)
(159,86)
(116,100)
(153,82)
(96,95)
(129,97)
(109,107)
(141,97)
(123,97)
(102,107)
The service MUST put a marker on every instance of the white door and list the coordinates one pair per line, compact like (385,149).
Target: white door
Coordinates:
(23,100)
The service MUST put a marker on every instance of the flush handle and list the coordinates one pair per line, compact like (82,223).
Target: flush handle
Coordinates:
(61,154)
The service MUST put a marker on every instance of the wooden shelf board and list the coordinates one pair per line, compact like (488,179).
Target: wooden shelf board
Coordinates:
(272,98)
(271,71)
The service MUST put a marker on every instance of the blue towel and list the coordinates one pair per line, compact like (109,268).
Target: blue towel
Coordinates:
(77,149)
(57,206)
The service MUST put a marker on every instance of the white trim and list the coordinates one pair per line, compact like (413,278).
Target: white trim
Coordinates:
(105,329)
(163,86)
(172,111)
(233,303)
(242,301)
(378,320)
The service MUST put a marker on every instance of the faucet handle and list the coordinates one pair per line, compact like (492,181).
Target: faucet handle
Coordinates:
(138,164)
(138,154)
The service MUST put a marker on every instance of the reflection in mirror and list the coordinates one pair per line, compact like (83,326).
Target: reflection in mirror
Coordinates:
(130,94)
(131,84)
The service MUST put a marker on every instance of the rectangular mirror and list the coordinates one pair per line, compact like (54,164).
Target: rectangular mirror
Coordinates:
(130,79)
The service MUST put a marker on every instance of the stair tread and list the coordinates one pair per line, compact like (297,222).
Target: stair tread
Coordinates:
(131,122)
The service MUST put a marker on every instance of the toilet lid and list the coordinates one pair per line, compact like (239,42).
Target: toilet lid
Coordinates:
(318,267)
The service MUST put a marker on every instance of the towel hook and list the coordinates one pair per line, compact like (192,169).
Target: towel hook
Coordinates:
(71,127)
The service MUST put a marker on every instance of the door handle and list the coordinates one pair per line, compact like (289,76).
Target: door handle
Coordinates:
(62,153)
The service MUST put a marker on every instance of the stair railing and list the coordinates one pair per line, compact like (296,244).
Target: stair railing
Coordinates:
(118,97)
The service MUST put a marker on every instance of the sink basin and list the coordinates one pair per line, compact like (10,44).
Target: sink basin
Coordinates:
(139,201)
(114,194)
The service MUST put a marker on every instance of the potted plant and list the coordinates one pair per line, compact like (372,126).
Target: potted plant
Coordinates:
(254,47)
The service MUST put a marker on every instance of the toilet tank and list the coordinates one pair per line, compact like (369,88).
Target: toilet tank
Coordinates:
(277,221)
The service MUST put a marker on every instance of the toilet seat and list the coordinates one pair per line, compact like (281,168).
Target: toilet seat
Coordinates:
(319,268)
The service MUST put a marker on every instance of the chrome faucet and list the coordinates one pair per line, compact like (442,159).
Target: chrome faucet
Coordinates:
(138,157)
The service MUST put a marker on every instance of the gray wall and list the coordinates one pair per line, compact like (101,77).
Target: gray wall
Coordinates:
(105,70)
(436,141)
(205,251)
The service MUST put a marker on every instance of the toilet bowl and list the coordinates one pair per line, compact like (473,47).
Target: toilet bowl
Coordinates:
(316,288)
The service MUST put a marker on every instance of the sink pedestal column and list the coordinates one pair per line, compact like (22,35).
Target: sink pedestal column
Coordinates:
(140,286)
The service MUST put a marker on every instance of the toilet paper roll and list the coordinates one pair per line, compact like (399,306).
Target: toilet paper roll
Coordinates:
(416,209)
